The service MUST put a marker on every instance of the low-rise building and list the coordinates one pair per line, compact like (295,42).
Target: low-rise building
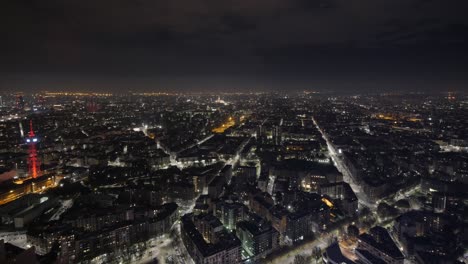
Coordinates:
(258,239)
(227,249)
(380,244)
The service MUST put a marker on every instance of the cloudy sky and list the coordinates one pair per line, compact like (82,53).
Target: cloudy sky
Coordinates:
(226,45)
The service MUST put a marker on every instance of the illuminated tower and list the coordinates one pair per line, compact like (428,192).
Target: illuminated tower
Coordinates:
(33,162)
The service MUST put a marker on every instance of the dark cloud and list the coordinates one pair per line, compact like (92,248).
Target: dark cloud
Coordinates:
(244,41)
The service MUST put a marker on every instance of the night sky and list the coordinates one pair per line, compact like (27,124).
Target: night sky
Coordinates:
(234,45)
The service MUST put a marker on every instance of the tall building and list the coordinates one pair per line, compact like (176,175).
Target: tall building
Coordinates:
(19,102)
(226,249)
(276,135)
(258,239)
(229,213)
(439,202)
(41,101)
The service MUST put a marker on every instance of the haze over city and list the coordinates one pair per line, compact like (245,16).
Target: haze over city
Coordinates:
(234,132)
(116,46)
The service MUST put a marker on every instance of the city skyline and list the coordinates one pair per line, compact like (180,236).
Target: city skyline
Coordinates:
(234,132)
(234,178)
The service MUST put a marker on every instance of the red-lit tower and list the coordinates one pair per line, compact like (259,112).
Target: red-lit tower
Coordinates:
(33,162)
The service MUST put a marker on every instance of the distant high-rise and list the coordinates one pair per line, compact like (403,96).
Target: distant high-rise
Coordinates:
(19,102)
(260,133)
(41,101)
(92,106)
(277,135)
(439,202)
